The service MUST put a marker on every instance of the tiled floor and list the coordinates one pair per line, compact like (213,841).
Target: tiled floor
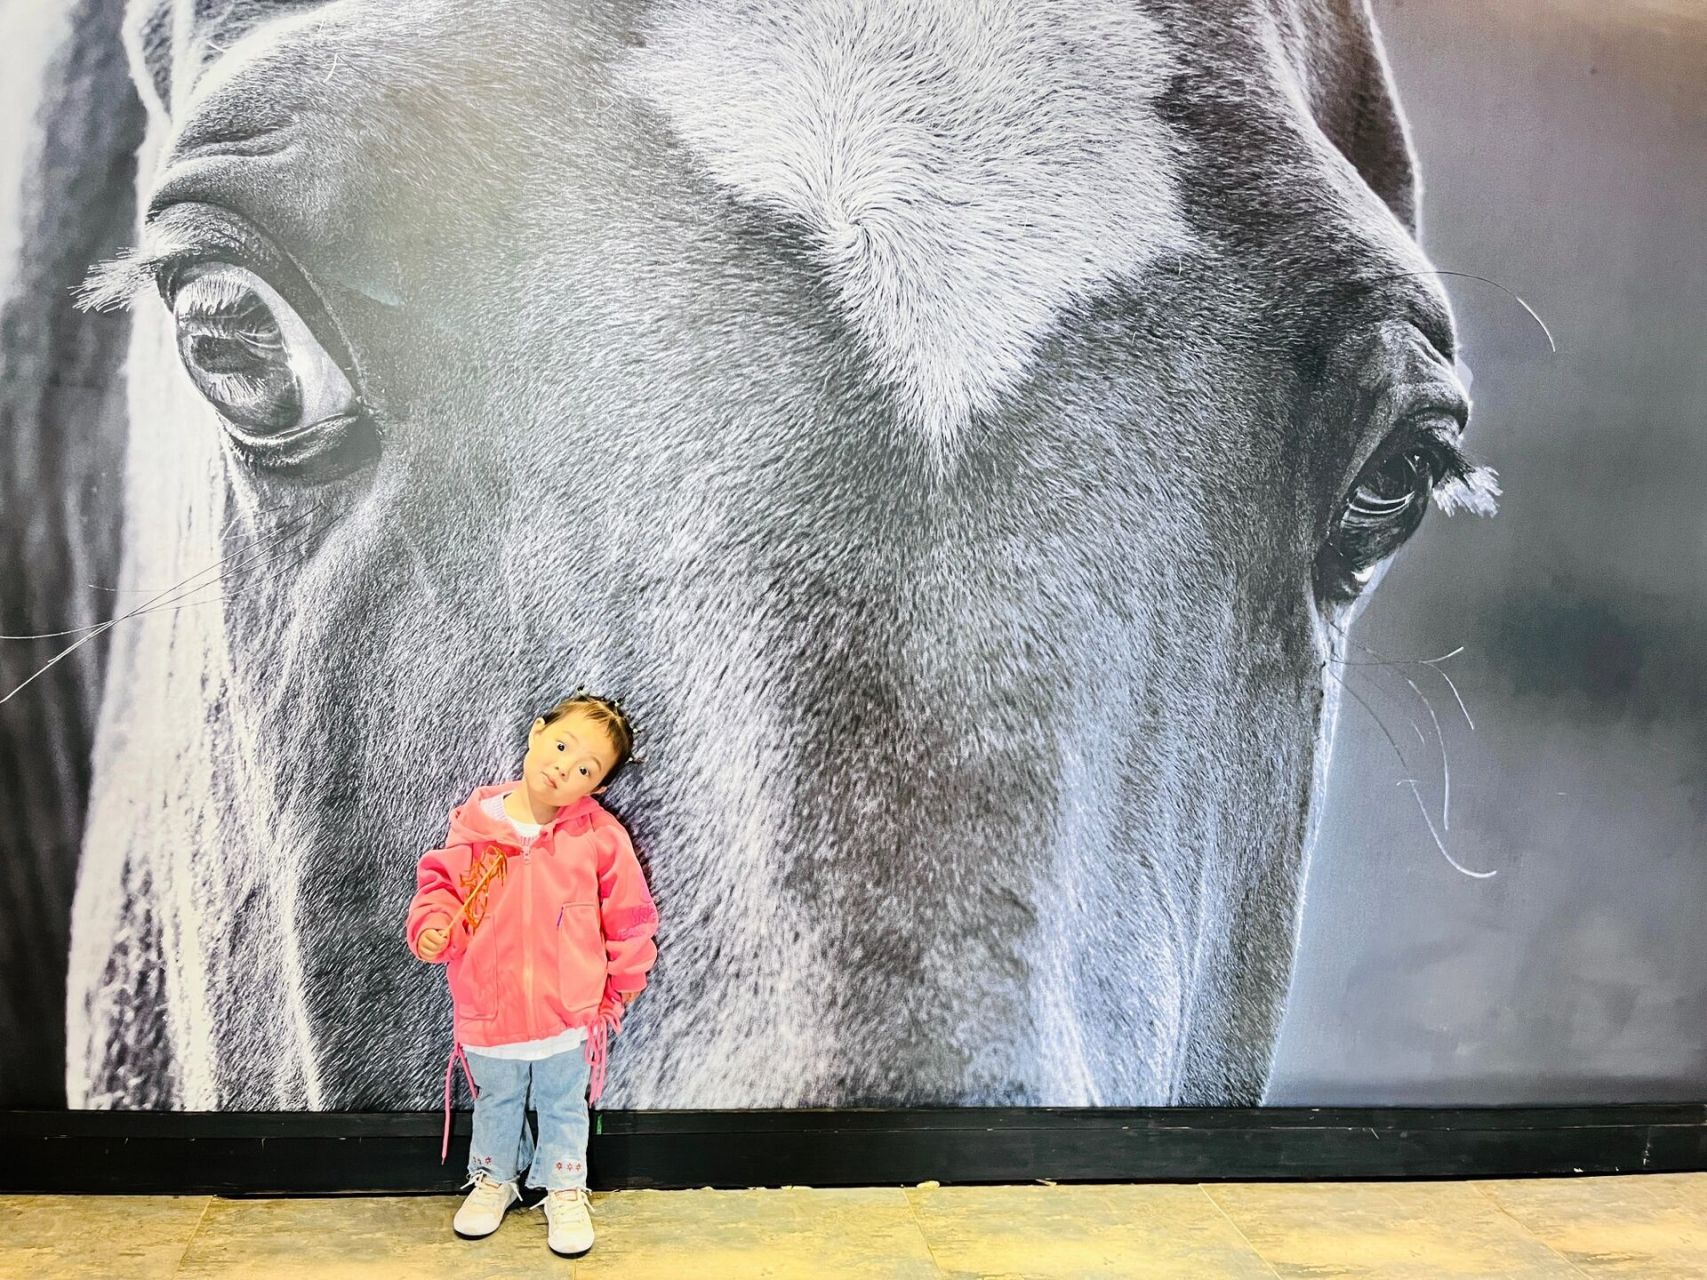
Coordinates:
(1652,1227)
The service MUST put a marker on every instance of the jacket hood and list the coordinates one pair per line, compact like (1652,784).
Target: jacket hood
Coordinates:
(471,824)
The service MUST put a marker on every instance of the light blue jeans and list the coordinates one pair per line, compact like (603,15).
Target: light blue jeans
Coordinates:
(503,1144)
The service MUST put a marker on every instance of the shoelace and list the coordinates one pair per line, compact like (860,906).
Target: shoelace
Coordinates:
(569,1196)
(488,1189)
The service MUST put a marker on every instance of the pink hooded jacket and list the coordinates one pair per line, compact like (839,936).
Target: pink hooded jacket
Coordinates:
(566,930)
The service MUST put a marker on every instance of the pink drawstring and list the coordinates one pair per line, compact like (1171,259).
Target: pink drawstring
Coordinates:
(605,1025)
(450,1066)
(598,1055)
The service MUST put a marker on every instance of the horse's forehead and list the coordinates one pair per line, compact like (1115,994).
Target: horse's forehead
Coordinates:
(962,172)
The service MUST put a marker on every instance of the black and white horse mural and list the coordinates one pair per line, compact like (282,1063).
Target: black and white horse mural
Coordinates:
(963,434)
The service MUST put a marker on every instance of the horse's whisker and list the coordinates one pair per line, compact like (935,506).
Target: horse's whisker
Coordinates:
(246,557)
(1382,724)
(1459,697)
(1393,742)
(1445,767)
(149,605)
(1433,664)
(1395,662)
(1438,842)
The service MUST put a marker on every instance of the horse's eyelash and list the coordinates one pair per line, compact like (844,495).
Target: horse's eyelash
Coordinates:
(116,284)
(1464,484)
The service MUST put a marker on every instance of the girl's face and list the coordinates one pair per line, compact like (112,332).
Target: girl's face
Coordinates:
(567,759)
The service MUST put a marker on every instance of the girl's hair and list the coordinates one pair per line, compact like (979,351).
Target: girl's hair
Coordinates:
(608,714)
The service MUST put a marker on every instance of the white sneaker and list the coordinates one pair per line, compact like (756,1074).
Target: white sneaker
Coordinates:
(484,1209)
(570,1214)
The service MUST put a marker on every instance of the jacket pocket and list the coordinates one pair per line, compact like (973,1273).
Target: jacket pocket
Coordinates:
(473,985)
(580,956)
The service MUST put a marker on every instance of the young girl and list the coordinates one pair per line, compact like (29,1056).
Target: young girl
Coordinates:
(539,909)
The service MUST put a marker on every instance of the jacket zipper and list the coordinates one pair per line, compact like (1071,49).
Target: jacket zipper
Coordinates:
(527,936)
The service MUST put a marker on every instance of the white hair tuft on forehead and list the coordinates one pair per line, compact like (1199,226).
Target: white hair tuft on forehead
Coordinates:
(963,171)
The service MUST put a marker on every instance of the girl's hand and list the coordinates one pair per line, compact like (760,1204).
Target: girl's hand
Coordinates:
(432,942)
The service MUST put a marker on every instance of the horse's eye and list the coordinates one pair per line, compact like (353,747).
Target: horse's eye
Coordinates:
(1385,507)
(1388,502)
(283,399)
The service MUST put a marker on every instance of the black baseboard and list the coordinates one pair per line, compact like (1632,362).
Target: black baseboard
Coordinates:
(331,1153)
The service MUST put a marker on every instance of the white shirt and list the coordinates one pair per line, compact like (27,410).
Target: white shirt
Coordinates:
(525,1050)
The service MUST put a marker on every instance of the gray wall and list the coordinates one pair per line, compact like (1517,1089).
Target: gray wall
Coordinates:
(1564,150)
